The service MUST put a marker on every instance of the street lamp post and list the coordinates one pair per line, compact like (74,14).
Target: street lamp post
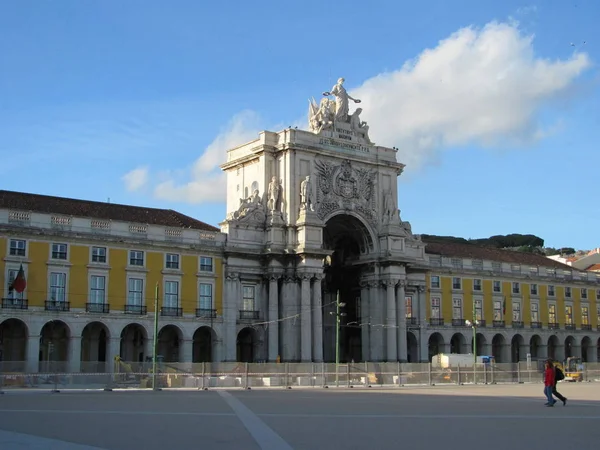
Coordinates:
(155,343)
(473,324)
(338,314)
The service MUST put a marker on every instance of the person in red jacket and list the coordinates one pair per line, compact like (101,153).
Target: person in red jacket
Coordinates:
(549,375)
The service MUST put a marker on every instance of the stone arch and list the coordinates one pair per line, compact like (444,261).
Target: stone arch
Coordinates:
(412,347)
(55,344)
(553,347)
(134,341)
(436,345)
(516,344)
(586,350)
(13,344)
(535,344)
(598,350)
(498,344)
(458,343)
(247,341)
(349,223)
(95,338)
(570,347)
(481,342)
(169,343)
(203,344)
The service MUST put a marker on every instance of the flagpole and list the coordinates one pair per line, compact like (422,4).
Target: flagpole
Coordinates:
(155,339)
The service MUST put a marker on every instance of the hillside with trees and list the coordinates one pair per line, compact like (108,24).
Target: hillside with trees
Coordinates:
(528,243)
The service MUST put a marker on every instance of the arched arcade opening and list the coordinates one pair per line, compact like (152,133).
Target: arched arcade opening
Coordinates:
(94,347)
(13,345)
(134,340)
(169,343)
(247,341)
(436,345)
(203,343)
(54,346)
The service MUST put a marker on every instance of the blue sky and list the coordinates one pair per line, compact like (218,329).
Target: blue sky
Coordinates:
(494,105)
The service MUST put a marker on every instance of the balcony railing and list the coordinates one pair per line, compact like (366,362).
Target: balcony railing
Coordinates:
(517,324)
(53,305)
(553,326)
(458,322)
(171,311)
(248,315)
(481,323)
(102,308)
(436,322)
(136,309)
(570,326)
(536,324)
(206,313)
(498,324)
(14,303)
(586,327)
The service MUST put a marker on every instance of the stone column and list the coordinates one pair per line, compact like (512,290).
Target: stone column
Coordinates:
(402,345)
(290,337)
(422,321)
(186,352)
(74,364)
(114,349)
(365,321)
(230,312)
(375,306)
(317,320)
(33,354)
(306,320)
(391,322)
(273,328)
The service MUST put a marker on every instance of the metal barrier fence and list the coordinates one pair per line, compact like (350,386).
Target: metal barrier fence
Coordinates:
(280,375)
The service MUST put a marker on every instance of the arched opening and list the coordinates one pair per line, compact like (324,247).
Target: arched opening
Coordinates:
(54,346)
(413,348)
(516,343)
(570,349)
(13,345)
(481,343)
(498,343)
(598,350)
(457,343)
(246,343)
(436,345)
(348,238)
(94,347)
(534,346)
(586,350)
(169,340)
(202,347)
(552,347)
(133,343)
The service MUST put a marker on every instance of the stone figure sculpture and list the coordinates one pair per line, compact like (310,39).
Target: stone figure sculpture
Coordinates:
(249,205)
(360,127)
(320,117)
(274,193)
(306,195)
(389,210)
(341,100)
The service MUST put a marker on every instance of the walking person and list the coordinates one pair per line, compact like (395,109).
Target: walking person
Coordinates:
(558,375)
(549,376)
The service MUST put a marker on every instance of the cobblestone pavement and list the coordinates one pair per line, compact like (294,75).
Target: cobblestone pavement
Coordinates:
(490,417)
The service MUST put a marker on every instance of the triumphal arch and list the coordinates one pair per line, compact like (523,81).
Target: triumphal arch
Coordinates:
(312,216)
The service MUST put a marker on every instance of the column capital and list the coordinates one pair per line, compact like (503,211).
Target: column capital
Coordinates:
(318,276)
(290,278)
(233,276)
(401,283)
(273,276)
(390,283)
(305,277)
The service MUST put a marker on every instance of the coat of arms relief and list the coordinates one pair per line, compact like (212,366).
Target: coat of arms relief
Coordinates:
(343,187)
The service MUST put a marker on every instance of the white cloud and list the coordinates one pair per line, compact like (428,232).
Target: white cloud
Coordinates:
(207,182)
(479,86)
(136,179)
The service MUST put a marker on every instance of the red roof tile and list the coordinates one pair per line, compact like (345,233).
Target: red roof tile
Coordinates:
(99,210)
(594,268)
(490,254)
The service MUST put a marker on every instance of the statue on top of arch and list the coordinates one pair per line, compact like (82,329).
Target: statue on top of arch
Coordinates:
(329,112)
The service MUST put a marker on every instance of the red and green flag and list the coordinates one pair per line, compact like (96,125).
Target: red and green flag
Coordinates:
(19,283)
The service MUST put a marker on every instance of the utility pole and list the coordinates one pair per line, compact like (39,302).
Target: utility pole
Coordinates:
(338,314)
(155,338)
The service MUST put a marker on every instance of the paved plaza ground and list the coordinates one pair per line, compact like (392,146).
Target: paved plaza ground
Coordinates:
(450,417)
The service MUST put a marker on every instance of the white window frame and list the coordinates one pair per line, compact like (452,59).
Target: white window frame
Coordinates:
(65,298)
(534,310)
(10,247)
(439,282)
(244,298)
(585,315)
(167,262)
(170,296)
(498,312)
(91,298)
(552,306)
(212,294)
(516,311)
(598,295)
(478,309)
(494,291)
(14,295)
(92,255)
(568,292)
(475,284)
(584,293)
(515,287)
(408,302)
(534,289)
(128,291)
(67,251)
(212,264)
(457,308)
(460,285)
(553,293)
(436,305)
(130,258)
(569,320)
